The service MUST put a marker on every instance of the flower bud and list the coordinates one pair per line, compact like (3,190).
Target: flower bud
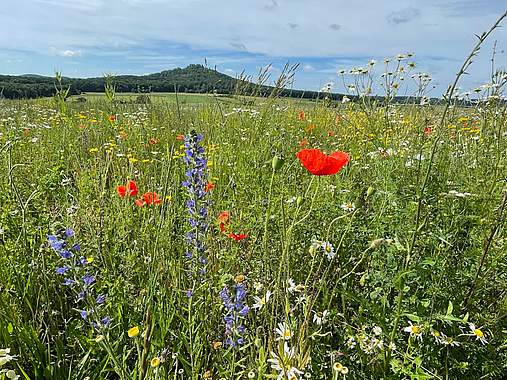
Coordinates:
(376,243)
(370,192)
(277,163)
(299,201)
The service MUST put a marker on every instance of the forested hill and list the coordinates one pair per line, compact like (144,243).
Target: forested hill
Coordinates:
(192,79)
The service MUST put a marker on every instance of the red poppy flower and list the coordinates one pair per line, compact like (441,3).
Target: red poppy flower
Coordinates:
(150,198)
(224,216)
(153,141)
(223,219)
(121,190)
(180,137)
(139,202)
(428,130)
(319,163)
(132,188)
(330,133)
(238,237)
(112,118)
(209,186)
(301,115)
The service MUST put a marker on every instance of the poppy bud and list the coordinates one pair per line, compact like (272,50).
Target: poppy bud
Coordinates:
(370,192)
(277,163)
(299,201)
(376,243)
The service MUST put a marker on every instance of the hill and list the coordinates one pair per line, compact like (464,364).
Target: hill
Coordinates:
(192,79)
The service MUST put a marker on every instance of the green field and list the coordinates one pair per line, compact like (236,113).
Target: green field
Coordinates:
(161,96)
(393,267)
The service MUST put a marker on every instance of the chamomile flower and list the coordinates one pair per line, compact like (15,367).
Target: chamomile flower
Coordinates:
(348,206)
(413,330)
(283,366)
(328,250)
(478,333)
(284,332)
(260,302)
(320,318)
(377,330)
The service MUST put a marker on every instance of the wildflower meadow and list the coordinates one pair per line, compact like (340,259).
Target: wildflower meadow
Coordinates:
(257,237)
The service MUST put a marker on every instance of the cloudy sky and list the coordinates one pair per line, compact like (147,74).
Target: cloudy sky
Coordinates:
(92,37)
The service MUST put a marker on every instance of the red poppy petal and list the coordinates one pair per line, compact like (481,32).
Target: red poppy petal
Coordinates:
(319,163)
(139,203)
(223,217)
(312,159)
(337,161)
(121,190)
(148,198)
(133,190)
(237,237)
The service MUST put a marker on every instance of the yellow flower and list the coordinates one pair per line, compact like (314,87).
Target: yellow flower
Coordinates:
(217,345)
(89,260)
(239,278)
(133,160)
(155,362)
(133,332)
(207,375)
(94,150)
(337,367)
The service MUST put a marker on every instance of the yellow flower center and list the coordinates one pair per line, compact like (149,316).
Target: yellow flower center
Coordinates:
(479,333)
(416,329)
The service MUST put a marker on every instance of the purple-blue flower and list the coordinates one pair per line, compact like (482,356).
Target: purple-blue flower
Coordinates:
(235,312)
(62,270)
(197,203)
(101,298)
(88,279)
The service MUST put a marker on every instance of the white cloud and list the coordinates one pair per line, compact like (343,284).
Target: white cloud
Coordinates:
(65,53)
(71,53)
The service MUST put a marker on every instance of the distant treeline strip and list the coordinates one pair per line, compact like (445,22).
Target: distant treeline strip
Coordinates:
(192,79)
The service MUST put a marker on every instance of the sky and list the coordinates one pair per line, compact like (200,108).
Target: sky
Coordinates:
(83,38)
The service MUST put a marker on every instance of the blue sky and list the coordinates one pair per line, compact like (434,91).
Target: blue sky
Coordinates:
(92,37)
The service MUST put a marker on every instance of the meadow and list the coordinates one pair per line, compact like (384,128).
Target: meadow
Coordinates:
(223,240)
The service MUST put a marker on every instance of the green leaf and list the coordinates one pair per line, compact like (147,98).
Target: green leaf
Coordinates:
(412,317)
(449,308)
(10,328)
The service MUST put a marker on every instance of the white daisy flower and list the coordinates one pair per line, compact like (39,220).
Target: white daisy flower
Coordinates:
(413,330)
(260,302)
(478,333)
(284,332)
(348,207)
